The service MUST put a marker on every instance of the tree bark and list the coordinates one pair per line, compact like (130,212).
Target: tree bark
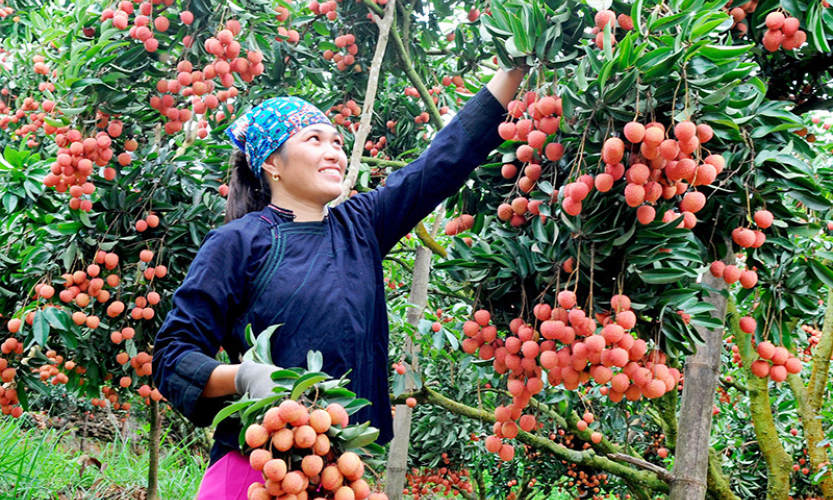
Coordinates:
(153,461)
(821,358)
(691,458)
(813,432)
(366,120)
(398,456)
(718,484)
(778,462)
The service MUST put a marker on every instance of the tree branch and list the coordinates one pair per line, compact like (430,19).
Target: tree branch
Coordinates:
(406,65)
(383,163)
(428,241)
(813,431)
(399,261)
(640,478)
(366,120)
(718,485)
(734,384)
(661,472)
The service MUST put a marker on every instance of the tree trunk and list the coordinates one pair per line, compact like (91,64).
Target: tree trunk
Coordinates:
(153,462)
(821,358)
(778,462)
(398,457)
(813,432)
(691,458)
(718,484)
(810,397)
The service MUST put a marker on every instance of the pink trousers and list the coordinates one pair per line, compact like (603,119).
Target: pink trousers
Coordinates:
(229,478)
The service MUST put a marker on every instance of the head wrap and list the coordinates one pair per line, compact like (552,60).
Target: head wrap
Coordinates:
(263,129)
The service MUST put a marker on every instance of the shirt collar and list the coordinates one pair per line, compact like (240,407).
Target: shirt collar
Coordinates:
(287,215)
(284,213)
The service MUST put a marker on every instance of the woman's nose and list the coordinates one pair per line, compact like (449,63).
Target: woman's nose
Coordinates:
(332,151)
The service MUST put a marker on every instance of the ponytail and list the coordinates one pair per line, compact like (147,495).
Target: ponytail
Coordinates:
(247,193)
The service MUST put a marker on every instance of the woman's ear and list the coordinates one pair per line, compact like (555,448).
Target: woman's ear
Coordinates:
(273,164)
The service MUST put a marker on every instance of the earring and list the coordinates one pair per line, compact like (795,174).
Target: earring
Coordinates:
(276,177)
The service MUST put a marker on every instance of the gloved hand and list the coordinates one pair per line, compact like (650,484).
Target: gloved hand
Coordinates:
(255,379)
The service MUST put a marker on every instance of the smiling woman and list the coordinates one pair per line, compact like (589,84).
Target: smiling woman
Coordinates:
(285,258)
(309,172)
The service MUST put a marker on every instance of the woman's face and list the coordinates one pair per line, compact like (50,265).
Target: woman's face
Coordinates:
(311,165)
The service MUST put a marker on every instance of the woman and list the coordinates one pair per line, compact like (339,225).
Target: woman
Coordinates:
(285,258)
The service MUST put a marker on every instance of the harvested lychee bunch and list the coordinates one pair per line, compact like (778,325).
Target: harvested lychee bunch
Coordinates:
(292,449)
(300,437)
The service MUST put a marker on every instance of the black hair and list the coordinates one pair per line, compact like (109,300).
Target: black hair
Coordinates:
(247,192)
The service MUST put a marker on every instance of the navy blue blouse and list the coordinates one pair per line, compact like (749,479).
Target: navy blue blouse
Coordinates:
(321,280)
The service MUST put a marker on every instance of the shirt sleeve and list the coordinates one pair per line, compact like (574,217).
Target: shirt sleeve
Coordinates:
(193,330)
(411,193)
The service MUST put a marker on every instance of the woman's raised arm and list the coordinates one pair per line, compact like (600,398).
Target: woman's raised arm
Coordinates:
(413,192)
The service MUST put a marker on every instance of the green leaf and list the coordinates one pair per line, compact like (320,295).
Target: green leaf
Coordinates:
(263,402)
(625,86)
(539,231)
(321,28)
(706,322)
(668,21)
(816,27)
(362,439)
(714,97)
(40,328)
(621,240)
(814,201)
(664,275)
(707,24)
(263,345)
(724,52)
(69,255)
(305,382)
(285,374)
(57,318)
(607,41)
(22,397)
(250,337)
(636,15)
(822,272)
(231,409)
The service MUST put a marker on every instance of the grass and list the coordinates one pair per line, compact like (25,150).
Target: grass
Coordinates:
(47,464)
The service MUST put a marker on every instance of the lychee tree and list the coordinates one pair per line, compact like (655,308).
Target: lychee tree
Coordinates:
(115,162)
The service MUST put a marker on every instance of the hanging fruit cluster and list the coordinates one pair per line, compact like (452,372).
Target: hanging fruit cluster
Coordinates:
(566,344)
(198,86)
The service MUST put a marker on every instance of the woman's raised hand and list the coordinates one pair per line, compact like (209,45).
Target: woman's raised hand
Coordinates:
(504,85)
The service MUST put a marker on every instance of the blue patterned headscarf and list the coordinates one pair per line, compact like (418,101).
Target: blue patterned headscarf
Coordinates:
(262,130)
